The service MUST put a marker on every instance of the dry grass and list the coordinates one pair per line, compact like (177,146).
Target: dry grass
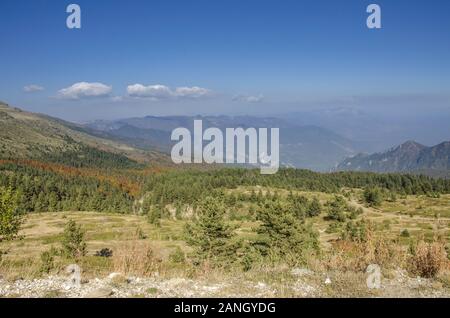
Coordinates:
(136,258)
(429,259)
(356,256)
(150,254)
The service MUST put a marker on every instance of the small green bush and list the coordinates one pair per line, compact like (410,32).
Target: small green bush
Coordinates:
(177,256)
(405,233)
(47,262)
(74,245)
(373,196)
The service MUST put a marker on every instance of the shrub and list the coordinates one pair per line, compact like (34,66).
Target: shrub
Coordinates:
(47,262)
(428,259)
(360,246)
(298,205)
(177,256)
(73,242)
(336,209)
(315,208)
(154,215)
(104,252)
(372,196)
(135,258)
(355,231)
(405,233)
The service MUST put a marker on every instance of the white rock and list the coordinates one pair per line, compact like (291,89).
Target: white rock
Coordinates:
(114,275)
(261,285)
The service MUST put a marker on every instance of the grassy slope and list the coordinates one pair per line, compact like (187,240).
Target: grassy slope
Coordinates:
(28,135)
(42,231)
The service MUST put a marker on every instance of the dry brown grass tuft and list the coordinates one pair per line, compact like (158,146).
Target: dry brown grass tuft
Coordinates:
(357,255)
(429,259)
(136,258)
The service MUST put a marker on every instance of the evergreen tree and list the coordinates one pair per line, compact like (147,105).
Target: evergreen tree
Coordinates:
(73,242)
(209,234)
(314,208)
(372,196)
(154,214)
(336,209)
(10,217)
(283,236)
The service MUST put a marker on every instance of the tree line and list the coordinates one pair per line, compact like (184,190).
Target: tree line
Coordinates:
(41,191)
(188,186)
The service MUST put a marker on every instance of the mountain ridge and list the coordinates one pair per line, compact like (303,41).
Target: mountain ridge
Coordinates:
(307,146)
(27,135)
(410,156)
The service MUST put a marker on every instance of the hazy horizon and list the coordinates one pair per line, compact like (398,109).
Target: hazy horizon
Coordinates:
(314,59)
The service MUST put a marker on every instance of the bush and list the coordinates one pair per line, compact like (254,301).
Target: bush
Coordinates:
(104,252)
(361,246)
(315,208)
(355,231)
(47,262)
(73,242)
(177,256)
(372,196)
(428,259)
(336,209)
(405,233)
(154,215)
(136,258)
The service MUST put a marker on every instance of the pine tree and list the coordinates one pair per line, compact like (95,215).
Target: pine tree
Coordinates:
(154,214)
(10,217)
(73,242)
(372,196)
(283,236)
(337,208)
(315,208)
(209,234)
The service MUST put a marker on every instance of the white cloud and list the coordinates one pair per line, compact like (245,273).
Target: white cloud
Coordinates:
(164,92)
(154,91)
(248,99)
(193,92)
(85,90)
(32,88)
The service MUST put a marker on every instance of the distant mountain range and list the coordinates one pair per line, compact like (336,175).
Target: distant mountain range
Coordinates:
(308,147)
(408,157)
(25,135)
(29,135)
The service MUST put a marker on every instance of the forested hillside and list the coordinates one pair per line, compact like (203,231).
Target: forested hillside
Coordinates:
(43,187)
(27,135)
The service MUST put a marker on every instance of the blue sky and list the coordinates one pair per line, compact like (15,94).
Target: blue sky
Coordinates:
(224,56)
